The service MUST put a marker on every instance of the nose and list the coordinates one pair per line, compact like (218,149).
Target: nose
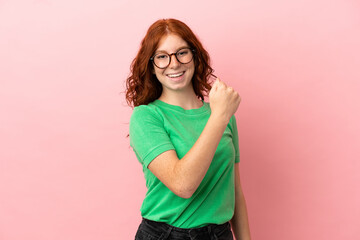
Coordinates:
(174,63)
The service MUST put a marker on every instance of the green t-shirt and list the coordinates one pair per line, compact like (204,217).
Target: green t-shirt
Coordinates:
(159,127)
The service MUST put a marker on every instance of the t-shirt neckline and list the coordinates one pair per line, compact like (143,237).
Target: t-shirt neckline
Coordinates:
(202,109)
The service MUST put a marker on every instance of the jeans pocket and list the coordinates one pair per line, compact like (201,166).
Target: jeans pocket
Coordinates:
(143,235)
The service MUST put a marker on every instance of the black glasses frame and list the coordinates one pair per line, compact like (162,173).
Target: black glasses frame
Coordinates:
(170,56)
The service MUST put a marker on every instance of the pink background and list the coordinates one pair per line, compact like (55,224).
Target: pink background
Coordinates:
(66,168)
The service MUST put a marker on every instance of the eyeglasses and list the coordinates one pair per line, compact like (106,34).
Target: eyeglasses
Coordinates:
(162,60)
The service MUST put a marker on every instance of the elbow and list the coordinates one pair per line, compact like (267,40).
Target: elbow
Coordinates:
(184,192)
(183,185)
(185,195)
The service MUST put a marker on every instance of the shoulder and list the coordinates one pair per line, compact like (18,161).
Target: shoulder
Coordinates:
(144,113)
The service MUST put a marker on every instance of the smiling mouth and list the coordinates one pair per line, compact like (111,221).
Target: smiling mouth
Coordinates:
(175,75)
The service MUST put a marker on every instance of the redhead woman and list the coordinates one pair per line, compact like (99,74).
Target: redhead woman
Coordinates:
(188,148)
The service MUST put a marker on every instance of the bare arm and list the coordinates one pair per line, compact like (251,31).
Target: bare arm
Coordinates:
(240,222)
(185,175)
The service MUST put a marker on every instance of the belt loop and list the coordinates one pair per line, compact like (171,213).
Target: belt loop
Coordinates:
(211,233)
(167,234)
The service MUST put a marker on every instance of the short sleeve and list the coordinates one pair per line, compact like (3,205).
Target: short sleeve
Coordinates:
(148,138)
(235,138)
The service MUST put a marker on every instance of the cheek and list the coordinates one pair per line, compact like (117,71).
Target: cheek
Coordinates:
(158,72)
(192,70)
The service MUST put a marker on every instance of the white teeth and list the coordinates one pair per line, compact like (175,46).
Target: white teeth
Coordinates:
(175,75)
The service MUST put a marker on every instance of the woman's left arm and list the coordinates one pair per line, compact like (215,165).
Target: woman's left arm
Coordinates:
(240,222)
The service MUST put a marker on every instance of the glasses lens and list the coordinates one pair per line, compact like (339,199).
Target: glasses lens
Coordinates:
(162,60)
(184,55)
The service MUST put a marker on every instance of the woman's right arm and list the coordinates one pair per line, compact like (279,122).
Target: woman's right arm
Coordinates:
(184,176)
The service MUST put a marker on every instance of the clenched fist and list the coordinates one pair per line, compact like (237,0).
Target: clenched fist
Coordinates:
(224,100)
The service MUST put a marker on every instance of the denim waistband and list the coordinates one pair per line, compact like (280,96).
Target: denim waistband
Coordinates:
(165,229)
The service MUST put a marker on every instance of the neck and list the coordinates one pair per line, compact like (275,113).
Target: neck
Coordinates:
(187,100)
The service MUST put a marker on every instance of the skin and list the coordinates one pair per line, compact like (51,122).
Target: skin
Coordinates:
(183,177)
(176,91)
(239,222)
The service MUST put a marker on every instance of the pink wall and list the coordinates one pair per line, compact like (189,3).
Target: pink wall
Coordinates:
(66,169)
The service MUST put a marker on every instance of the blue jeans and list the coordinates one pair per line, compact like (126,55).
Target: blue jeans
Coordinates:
(150,230)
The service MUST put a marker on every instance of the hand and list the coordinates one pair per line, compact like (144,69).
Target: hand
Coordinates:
(224,100)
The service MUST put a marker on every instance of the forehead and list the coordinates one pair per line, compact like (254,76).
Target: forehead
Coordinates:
(171,43)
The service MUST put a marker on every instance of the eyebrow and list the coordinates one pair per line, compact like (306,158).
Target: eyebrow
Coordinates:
(159,51)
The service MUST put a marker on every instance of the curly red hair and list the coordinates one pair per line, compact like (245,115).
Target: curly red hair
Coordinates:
(142,86)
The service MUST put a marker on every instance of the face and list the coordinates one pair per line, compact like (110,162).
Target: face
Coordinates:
(176,76)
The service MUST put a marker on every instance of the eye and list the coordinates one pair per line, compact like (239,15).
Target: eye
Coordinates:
(161,56)
(183,52)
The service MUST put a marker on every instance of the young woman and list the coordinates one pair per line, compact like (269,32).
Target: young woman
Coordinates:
(188,148)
